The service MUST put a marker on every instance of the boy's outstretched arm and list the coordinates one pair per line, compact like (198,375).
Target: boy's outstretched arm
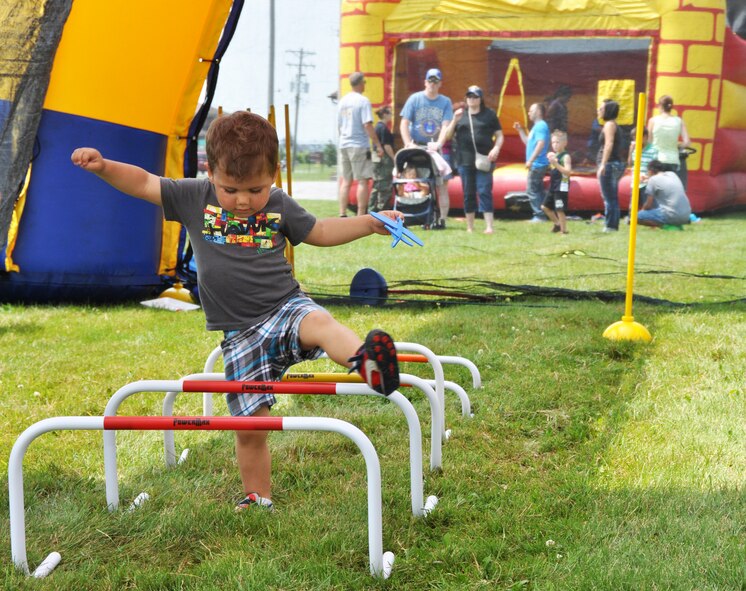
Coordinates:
(127,178)
(336,231)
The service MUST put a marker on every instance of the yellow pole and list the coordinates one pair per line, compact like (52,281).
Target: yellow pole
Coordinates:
(289,250)
(288,145)
(627,329)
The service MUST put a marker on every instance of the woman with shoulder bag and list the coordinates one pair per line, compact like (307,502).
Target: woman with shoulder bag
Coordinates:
(610,162)
(479,138)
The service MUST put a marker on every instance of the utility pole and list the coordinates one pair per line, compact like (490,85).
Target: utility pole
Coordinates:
(300,86)
(271,95)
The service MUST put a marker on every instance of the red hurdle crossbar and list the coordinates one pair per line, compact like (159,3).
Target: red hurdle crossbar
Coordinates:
(191,423)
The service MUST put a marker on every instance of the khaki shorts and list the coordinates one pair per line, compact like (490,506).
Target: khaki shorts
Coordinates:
(355,163)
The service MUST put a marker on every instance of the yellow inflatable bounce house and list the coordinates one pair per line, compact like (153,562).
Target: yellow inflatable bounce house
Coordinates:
(526,51)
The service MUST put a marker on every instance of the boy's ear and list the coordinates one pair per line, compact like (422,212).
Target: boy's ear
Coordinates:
(209,171)
(277,174)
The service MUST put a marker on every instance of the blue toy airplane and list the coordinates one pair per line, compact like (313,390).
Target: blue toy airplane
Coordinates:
(398,231)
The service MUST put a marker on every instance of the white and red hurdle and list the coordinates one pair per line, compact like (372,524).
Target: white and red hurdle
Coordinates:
(380,563)
(213,383)
(416,354)
(406,380)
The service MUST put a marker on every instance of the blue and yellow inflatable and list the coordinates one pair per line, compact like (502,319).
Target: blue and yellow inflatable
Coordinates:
(126,78)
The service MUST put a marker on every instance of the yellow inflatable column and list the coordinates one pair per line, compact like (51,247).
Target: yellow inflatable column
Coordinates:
(363,47)
(690,59)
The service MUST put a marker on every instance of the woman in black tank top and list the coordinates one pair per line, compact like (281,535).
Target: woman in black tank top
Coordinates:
(610,163)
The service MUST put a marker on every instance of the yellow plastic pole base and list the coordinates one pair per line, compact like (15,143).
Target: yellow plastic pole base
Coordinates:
(627,330)
(178,292)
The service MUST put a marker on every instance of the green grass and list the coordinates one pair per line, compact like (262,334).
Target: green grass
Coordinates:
(589,464)
(312,172)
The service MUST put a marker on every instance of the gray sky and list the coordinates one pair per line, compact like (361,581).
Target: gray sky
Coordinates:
(311,25)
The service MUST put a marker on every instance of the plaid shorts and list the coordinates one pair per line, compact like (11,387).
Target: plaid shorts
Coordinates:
(265,351)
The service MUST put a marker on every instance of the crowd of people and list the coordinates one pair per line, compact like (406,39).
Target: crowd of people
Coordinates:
(467,137)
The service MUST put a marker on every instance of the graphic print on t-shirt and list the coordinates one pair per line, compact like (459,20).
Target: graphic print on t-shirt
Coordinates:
(428,120)
(258,231)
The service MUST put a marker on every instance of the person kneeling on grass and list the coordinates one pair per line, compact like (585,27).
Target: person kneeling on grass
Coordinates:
(238,224)
(666,203)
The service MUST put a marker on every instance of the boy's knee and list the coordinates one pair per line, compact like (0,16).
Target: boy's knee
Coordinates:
(252,438)
(317,319)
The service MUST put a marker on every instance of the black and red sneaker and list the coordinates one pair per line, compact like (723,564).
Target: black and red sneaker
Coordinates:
(254,500)
(376,362)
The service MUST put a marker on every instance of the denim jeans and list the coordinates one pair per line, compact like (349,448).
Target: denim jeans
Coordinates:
(476,183)
(609,181)
(535,188)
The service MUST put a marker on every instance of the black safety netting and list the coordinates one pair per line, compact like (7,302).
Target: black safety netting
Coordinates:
(30,31)
(480,291)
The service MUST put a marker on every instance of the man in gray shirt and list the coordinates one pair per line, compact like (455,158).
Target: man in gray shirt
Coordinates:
(356,132)
(666,203)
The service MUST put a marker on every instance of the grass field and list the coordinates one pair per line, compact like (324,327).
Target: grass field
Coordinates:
(588,464)
(313,172)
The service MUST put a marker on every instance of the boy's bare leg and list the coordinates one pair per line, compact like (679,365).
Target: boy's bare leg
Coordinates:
(321,329)
(550,214)
(254,460)
(562,221)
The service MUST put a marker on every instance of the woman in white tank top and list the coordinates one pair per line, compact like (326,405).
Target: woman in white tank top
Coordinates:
(665,130)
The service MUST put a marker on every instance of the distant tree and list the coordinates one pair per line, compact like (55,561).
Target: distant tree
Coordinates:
(330,154)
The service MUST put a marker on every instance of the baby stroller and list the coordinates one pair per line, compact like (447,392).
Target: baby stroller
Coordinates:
(414,194)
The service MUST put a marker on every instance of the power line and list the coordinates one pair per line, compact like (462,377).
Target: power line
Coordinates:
(300,86)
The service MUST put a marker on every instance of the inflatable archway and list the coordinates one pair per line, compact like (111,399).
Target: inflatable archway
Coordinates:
(525,51)
(123,76)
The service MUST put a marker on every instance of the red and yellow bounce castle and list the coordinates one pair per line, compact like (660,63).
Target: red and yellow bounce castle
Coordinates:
(523,51)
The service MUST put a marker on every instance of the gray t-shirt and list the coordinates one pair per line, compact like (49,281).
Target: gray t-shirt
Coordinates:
(669,196)
(242,271)
(353,112)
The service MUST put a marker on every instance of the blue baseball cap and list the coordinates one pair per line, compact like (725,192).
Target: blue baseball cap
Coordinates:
(433,73)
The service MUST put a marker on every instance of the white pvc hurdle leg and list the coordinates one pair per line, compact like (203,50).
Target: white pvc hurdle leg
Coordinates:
(439,377)
(476,377)
(169,445)
(15,482)
(207,404)
(380,562)
(110,437)
(462,395)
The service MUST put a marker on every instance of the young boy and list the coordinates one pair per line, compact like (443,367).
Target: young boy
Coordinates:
(555,203)
(238,225)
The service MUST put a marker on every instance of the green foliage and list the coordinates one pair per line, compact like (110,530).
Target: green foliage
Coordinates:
(589,464)
(330,154)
